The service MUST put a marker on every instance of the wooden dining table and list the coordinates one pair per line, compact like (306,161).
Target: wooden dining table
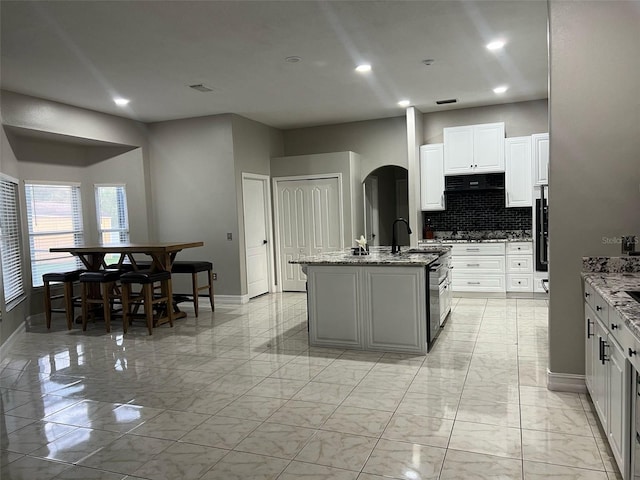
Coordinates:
(162,256)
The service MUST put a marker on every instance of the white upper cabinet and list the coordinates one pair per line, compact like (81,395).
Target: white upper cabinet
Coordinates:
(518,186)
(540,158)
(458,150)
(432,177)
(474,149)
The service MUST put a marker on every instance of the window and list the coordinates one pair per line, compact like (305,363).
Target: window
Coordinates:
(112,215)
(111,210)
(54,215)
(10,246)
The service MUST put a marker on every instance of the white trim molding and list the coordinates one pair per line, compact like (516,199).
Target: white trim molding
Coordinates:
(231,299)
(6,346)
(566,382)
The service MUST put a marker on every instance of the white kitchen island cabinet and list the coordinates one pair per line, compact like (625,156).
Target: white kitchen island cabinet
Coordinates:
(378,302)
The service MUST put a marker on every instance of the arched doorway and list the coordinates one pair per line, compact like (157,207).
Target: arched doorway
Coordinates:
(386,197)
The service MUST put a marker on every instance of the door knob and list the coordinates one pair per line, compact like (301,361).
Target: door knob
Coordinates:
(264,242)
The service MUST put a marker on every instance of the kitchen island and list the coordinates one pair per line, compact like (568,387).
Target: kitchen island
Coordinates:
(379,302)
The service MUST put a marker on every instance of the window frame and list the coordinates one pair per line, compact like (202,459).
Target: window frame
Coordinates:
(121,231)
(20,295)
(78,232)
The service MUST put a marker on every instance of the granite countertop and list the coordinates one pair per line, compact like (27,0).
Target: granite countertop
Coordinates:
(612,287)
(411,257)
(488,236)
(611,277)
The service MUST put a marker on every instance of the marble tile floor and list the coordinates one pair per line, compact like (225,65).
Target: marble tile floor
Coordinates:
(238,394)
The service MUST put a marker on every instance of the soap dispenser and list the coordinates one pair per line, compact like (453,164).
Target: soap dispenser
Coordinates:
(428,230)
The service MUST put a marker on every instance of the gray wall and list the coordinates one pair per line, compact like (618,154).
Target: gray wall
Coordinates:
(345,163)
(254,144)
(379,142)
(594,144)
(521,118)
(12,319)
(194,190)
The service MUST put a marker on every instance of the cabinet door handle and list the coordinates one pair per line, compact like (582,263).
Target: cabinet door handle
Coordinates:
(587,294)
(632,352)
(598,308)
(603,356)
(589,323)
(473,264)
(442,200)
(473,283)
(614,326)
(473,249)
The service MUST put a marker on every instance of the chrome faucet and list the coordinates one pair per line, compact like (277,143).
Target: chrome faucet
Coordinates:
(395,248)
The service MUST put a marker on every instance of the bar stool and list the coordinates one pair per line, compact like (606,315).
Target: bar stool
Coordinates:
(195,267)
(106,279)
(67,279)
(145,297)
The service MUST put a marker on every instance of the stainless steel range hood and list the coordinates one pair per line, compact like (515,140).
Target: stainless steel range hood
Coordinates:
(470,183)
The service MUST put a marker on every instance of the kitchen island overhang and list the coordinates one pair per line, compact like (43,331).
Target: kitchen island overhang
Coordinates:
(378,302)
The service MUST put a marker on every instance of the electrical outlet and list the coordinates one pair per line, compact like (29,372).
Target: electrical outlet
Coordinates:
(229,236)
(215,276)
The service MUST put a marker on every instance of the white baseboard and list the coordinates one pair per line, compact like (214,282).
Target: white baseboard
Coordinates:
(4,348)
(232,299)
(566,382)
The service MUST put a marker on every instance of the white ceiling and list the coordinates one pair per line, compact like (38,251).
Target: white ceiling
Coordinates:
(84,53)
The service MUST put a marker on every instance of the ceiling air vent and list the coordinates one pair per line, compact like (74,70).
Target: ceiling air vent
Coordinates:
(444,102)
(201,88)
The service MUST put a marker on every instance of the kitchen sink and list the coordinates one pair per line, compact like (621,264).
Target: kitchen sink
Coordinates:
(635,294)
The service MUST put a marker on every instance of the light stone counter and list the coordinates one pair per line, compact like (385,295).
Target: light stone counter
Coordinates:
(378,256)
(611,277)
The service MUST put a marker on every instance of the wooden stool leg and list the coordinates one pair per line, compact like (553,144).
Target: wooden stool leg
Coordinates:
(106,305)
(194,285)
(68,303)
(47,304)
(210,275)
(148,305)
(126,292)
(169,296)
(85,305)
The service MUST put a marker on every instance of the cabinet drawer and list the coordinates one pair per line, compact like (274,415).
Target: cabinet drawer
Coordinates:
(477,283)
(601,308)
(519,263)
(589,295)
(519,282)
(477,249)
(519,247)
(478,264)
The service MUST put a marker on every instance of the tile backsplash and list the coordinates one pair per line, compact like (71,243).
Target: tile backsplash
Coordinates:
(484,210)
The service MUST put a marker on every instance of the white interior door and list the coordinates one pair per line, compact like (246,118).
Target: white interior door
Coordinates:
(255,198)
(309,213)
(371,217)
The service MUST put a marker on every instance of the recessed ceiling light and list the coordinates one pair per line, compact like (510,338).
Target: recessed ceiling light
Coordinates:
(404,103)
(121,102)
(365,67)
(496,44)
(293,59)
(500,89)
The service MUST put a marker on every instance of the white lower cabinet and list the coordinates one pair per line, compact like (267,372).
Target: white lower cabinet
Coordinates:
(371,308)
(394,313)
(607,374)
(478,267)
(334,294)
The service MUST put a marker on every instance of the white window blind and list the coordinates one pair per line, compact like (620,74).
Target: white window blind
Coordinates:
(111,211)
(10,240)
(54,215)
